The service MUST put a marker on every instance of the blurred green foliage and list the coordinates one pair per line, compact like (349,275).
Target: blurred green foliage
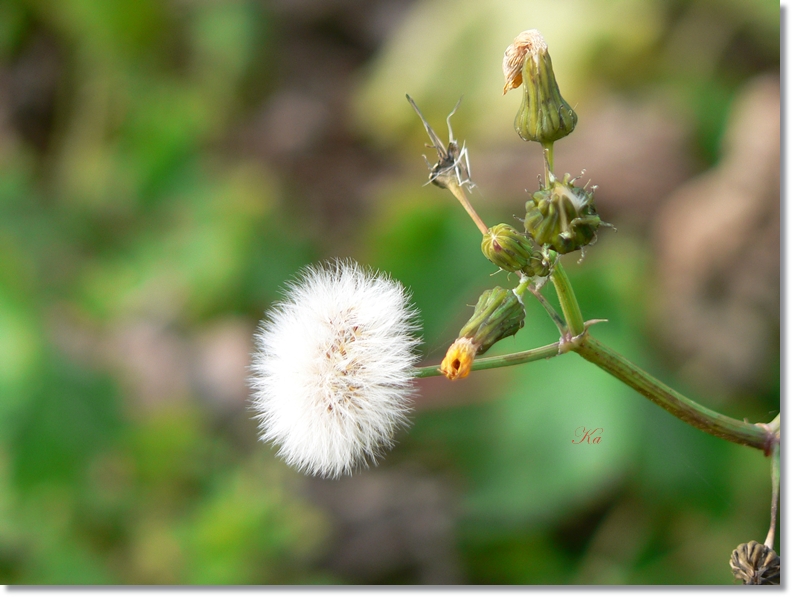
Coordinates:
(136,215)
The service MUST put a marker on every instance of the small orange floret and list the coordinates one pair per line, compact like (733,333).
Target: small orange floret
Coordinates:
(459,359)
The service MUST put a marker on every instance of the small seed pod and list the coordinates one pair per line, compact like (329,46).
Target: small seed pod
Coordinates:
(512,251)
(498,314)
(756,564)
(544,116)
(562,216)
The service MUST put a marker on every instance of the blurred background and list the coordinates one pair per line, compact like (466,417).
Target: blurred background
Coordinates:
(165,165)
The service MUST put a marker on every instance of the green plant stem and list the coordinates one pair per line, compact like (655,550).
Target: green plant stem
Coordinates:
(547,152)
(560,323)
(525,282)
(678,405)
(775,424)
(459,192)
(516,358)
(776,480)
(566,296)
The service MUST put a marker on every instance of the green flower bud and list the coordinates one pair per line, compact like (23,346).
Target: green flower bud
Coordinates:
(562,216)
(756,564)
(512,251)
(499,313)
(544,116)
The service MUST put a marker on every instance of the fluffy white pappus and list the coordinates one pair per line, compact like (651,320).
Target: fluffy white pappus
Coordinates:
(332,371)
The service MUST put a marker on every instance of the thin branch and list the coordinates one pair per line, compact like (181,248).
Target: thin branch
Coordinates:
(685,409)
(507,360)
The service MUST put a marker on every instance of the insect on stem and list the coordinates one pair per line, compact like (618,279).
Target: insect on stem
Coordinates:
(452,170)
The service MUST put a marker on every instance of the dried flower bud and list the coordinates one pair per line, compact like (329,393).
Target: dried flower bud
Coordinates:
(544,116)
(514,57)
(562,216)
(756,564)
(512,251)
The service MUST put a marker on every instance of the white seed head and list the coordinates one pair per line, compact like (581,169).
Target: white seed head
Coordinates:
(332,371)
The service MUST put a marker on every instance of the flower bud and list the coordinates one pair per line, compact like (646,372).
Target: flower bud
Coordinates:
(562,216)
(512,251)
(756,564)
(498,314)
(544,116)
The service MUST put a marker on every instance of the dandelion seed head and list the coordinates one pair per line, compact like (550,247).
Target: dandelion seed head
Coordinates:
(332,371)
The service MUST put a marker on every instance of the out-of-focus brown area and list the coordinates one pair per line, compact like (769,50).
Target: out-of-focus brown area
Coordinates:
(718,246)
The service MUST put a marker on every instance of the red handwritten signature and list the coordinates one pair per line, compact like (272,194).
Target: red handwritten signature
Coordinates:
(590,436)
